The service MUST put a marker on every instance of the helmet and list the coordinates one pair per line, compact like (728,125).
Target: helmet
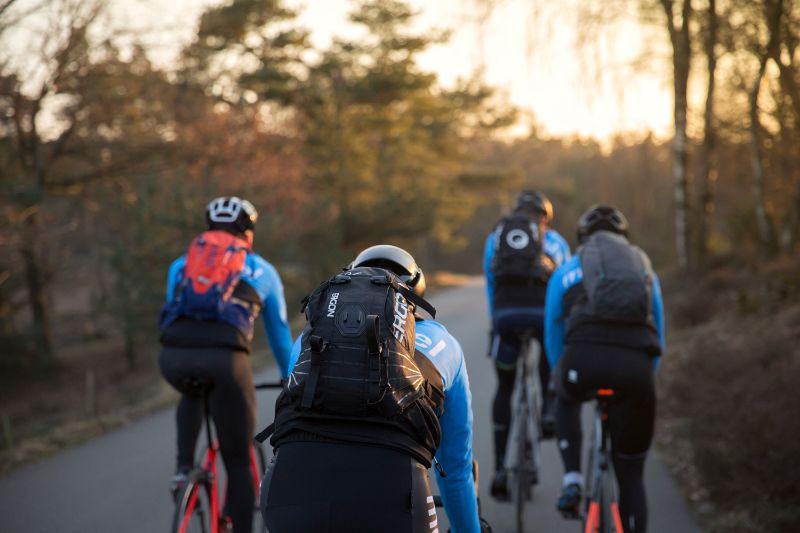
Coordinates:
(395,260)
(231,213)
(536,203)
(602,217)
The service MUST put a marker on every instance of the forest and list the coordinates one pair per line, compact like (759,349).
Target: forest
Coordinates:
(107,161)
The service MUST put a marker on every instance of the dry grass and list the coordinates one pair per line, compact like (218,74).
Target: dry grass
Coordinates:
(730,406)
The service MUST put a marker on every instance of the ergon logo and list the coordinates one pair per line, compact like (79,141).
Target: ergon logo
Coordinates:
(400,316)
(332,304)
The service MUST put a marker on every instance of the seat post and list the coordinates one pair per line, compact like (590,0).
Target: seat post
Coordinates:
(207,415)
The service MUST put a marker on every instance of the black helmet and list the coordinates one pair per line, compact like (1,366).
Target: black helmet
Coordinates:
(395,260)
(602,217)
(231,213)
(535,203)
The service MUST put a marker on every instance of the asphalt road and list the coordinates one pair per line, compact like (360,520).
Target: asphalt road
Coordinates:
(118,482)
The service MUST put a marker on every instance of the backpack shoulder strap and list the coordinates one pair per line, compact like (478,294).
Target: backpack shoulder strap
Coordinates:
(417,300)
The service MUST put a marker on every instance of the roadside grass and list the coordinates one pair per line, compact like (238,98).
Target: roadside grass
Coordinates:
(729,411)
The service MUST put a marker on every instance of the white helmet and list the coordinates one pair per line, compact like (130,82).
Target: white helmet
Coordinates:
(231,210)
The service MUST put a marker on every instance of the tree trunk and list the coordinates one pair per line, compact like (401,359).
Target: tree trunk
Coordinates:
(765,233)
(37,296)
(681,59)
(709,172)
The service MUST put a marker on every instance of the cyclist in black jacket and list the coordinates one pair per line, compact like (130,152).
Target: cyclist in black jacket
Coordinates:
(604,328)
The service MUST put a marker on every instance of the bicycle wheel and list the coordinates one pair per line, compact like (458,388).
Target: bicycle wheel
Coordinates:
(261,465)
(193,506)
(521,482)
(610,518)
(535,410)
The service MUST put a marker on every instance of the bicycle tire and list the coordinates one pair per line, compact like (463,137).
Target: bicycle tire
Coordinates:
(193,506)
(522,485)
(535,411)
(261,463)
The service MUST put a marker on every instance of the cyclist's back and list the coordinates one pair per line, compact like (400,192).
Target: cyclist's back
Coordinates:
(604,329)
(214,294)
(357,458)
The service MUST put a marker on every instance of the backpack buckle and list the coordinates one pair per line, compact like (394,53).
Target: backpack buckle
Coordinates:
(317,343)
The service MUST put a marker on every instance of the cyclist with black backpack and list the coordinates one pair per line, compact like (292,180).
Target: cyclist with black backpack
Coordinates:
(376,395)
(215,292)
(604,329)
(520,255)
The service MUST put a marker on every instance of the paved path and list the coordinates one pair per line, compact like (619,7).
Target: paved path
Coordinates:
(118,482)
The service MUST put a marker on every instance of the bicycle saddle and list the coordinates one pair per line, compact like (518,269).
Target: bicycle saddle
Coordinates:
(196,386)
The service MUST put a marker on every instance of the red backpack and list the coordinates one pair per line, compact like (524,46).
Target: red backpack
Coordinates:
(214,263)
(215,260)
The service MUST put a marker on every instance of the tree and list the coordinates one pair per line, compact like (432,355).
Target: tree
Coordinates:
(708,175)
(70,125)
(678,16)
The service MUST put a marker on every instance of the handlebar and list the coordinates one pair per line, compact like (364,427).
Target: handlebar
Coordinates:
(269,385)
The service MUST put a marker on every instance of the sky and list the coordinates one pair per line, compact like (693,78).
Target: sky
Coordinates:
(526,49)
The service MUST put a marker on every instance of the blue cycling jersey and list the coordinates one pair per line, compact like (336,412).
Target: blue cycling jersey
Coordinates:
(455,450)
(566,276)
(554,245)
(263,277)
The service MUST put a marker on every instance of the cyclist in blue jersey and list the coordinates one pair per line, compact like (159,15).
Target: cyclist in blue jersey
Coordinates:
(206,333)
(604,328)
(519,256)
(353,451)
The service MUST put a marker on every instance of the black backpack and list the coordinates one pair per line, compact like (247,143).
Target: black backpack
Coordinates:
(357,355)
(519,258)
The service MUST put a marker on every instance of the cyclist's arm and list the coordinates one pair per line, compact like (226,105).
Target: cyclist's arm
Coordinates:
(267,283)
(174,276)
(295,354)
(556,247)
(658,317)
(554,327)
(276,324)
(488,254)
(455,454)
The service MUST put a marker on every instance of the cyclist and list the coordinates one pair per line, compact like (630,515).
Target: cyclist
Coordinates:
(206,333)
(604,328)
(376,395)
(519,256)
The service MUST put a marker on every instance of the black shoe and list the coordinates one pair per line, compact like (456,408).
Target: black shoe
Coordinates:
(177,484)
(499,489)
(569,502)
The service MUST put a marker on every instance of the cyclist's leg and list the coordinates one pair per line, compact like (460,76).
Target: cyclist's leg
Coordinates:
(505,349)
(327,486)
(176,364)
(631,423)
(233,410)
(572,380)
(570,391)
(548,395)
(189,418)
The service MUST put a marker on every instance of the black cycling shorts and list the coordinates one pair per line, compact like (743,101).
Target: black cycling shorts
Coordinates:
(584,368)
(331,487)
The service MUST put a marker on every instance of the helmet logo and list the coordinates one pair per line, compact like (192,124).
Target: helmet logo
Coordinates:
(517,239)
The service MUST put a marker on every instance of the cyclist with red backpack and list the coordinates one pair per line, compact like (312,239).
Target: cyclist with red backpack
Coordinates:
(215,292)
(520,255)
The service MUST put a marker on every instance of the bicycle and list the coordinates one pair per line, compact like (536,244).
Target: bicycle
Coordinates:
(198,508)
(601,512)
(523,455)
